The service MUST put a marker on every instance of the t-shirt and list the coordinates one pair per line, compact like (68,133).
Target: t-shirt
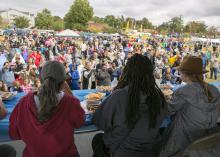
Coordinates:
(208,54)
(83,47)
(172,60)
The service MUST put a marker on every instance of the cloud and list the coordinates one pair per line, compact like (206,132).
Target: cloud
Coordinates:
(156,11)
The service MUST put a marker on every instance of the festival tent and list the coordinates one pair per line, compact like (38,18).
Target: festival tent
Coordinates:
(195,39)
(67,33)
(115,35)
(86,34)
(215,41)
(206,40)
(16,31)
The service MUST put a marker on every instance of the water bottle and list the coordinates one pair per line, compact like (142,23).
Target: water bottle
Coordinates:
(114,83)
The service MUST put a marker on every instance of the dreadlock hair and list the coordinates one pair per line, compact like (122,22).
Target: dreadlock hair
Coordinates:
(199,78)
(48,100)
(138,76)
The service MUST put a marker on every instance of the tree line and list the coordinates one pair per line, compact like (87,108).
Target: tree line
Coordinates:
(81,12)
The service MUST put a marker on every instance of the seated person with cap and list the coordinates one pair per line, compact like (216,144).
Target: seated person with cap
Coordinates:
(194,107)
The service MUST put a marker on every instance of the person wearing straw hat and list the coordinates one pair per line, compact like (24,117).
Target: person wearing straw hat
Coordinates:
(194,108)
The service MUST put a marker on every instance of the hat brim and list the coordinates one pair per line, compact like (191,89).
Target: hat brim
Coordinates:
(181,70)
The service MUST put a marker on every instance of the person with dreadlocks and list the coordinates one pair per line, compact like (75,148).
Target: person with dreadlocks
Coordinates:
(131,116)
(194,108)
(45,120)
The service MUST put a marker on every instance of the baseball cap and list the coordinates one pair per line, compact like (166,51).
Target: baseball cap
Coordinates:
(55,70)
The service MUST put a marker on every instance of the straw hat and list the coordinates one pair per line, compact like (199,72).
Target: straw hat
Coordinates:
(192,65)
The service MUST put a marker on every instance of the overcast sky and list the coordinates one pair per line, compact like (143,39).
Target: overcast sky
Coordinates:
(156,11)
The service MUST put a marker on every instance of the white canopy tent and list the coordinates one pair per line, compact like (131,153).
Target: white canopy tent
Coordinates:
(206,41)
(115,35)
(67,33)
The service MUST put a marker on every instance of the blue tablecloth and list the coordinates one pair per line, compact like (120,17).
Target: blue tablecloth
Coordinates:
(80,94)
(10,105)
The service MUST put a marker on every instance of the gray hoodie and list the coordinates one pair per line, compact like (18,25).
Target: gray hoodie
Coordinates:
(118,137)
(193,114)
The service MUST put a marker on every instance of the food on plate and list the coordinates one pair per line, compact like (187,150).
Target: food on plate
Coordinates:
(94,96)
(93,101)
(104,88)
(6,95)
(92,108)
(167,92)
(89,107)
(165,86)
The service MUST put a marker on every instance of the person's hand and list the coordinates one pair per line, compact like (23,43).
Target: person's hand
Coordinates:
(66,88)
(3,111)
(168,97)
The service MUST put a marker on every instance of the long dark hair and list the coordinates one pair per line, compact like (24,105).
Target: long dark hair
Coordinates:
(138,76)
(48,100)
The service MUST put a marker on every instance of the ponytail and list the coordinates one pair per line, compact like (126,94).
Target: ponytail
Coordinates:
(205,88)
(204,85)
(48,100)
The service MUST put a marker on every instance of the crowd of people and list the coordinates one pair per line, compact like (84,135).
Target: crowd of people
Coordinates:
(48,68)
(93,61)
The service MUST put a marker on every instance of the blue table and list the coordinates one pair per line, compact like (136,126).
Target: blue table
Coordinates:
(10,105)
(80,94)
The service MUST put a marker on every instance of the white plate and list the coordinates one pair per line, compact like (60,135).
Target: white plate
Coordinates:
(83,104)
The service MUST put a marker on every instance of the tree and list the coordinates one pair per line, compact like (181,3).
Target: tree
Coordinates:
(110,20)
(1,21)
(22,22)
(164,27)
(196,27)
(97,19)
(110,24)
(176,25)
(79,15)
(44,20)
(212,31)
(58,23)
(115,22)
(146,24)
(121,21)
